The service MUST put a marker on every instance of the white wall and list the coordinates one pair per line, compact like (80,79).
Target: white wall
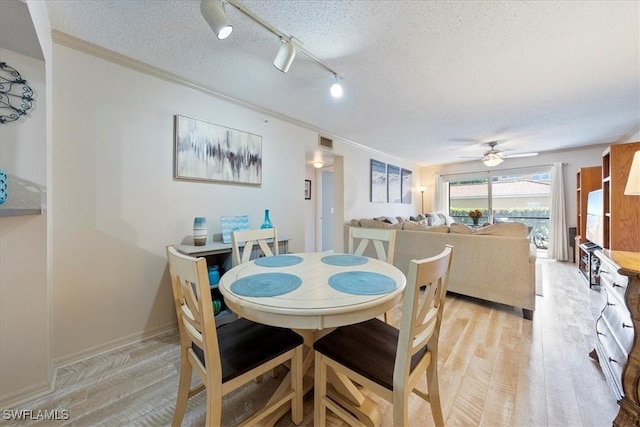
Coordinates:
(117,205)
(24,311)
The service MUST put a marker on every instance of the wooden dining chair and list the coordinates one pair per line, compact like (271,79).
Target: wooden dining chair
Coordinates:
(249,238)
(229,357)
(385,360)
(378,238)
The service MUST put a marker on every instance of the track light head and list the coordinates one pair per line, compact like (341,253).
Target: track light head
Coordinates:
(285,55)
(213,13)
(336,89)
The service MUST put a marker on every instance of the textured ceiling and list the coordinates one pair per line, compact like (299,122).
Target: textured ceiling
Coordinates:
(424,81)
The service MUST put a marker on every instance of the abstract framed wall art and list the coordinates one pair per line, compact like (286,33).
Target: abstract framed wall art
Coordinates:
(393,184)
(407,185)
(378,181)
(209,152)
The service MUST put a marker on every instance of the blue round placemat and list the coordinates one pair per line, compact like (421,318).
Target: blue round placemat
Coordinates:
(345,260)
(278,261)
(362,283)
(265,284)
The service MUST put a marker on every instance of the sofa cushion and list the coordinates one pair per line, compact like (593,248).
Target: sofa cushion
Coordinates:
(460,228)
(438,229)
(372,223)
(510,229)
(420,226)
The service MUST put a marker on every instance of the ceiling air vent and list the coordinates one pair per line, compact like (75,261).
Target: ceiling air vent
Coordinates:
(325,142)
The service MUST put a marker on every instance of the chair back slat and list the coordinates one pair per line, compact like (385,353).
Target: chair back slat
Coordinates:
(249,238)
(422,315)
(378,237)
(192,298)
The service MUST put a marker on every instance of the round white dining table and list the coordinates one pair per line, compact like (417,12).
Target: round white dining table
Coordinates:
(320,299)
(313,293)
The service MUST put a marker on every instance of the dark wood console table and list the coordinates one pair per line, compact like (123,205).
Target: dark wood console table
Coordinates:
(629,413)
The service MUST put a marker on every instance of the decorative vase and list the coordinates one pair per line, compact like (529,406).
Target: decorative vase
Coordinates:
(200,231)
(3,187)
(475,220)
(267,221)
(214,275)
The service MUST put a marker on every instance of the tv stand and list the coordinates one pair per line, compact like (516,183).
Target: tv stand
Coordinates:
(588,263)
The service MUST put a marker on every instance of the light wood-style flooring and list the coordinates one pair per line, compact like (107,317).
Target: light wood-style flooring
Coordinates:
(496,369)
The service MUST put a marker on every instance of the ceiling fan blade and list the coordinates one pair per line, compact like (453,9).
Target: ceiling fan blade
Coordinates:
(516,155)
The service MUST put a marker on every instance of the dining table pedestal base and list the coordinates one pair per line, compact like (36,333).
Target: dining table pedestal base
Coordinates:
(341,390)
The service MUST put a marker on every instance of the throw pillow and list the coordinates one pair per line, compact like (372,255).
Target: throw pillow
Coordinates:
(459,228)
(387,219)
(510,229)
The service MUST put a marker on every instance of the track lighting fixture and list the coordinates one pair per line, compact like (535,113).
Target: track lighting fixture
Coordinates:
(285,55)
(336,89)
(213,13)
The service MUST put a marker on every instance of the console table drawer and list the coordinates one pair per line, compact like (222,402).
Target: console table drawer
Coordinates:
(618,323)
(613,281)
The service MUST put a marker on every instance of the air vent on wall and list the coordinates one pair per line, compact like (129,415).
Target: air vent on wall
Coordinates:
(325,142)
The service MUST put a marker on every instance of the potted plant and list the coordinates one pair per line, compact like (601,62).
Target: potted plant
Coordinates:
(475,215)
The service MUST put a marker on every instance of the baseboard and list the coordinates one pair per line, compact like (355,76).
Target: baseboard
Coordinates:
(34,392)
(113,345)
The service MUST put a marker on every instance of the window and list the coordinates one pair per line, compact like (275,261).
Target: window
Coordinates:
(523,197)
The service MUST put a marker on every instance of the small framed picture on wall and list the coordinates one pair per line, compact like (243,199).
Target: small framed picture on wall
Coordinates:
(307,189)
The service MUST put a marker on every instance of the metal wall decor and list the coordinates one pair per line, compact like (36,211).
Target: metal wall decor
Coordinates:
(16,97)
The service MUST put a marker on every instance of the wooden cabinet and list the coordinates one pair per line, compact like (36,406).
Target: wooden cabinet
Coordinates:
(587,180)
(614,327)
(621,213)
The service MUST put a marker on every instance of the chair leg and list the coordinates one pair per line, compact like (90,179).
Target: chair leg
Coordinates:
(183,389)
(434,393)
(320,392)
(296,385)
(400,407)
(214,406)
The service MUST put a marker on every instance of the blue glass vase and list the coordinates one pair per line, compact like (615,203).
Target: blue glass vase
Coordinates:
(3,186)
(267,221)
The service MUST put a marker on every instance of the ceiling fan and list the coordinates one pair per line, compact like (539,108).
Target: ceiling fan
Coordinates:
(493,156)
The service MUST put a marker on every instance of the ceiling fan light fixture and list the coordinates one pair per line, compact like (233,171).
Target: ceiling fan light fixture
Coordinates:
(213,13)
(492,160)
(285,56)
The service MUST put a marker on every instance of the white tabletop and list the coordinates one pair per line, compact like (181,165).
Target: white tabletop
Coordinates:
(314,304)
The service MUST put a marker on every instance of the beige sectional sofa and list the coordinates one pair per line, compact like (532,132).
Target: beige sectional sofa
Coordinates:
(494,263)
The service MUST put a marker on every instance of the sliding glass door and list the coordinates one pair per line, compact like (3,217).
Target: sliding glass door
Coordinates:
(501,196)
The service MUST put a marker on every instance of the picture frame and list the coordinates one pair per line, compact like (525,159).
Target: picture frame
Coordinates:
(209,152)
(407,185)
(378,177)
(307,189)
(393,184)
